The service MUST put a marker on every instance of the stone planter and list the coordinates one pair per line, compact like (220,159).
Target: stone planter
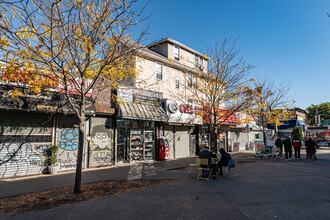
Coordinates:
(53,169)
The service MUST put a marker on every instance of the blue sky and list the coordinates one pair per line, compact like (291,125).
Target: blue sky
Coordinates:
(287,40)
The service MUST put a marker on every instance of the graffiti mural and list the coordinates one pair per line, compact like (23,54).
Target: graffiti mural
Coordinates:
(20,160)
(24,144)
(100,146)
(68,142)
(69,139)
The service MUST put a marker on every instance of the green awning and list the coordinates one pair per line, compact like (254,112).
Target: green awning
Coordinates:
(137,111)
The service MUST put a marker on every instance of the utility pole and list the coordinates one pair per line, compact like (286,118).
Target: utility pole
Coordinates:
(317,118)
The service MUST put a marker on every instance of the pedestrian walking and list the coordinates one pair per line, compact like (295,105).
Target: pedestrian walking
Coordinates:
(279,145)
(296,143)
(287,148)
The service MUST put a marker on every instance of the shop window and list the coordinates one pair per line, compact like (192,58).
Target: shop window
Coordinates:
(159,71)
(176,52)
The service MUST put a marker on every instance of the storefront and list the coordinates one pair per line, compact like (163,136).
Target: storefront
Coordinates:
(30,125)
(183,128)
(139,120)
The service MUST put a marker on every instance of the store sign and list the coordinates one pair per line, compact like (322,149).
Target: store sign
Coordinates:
(179,112)
(22,78)
(147,97)
(128,94)
(125,94)
(44,101)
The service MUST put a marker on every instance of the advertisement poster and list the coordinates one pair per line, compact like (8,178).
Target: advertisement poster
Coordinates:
(125,94)
(252,145)
(260,145)
(327,135)
(236,147)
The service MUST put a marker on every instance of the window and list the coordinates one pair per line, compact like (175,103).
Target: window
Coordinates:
(177,84)
(159,71)
(189,81)
(199,62)
(176,52)
(192,101)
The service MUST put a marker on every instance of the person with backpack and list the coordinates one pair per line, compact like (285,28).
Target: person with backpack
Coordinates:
(287,148)
(296,143)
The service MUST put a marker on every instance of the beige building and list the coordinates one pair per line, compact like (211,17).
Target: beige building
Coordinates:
(172,68)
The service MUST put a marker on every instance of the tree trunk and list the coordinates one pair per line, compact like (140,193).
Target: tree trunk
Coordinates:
(77,184)
(82,125)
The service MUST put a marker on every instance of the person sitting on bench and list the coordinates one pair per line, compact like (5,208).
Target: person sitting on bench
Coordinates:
(225,158)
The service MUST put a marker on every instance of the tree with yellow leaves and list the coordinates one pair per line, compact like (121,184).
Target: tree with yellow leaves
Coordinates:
(271,103)
(225,89)
(79,46)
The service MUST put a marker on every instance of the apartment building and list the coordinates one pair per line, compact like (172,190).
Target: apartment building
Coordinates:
(168,70)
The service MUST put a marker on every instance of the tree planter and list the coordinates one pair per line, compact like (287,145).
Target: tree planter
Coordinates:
(53,169)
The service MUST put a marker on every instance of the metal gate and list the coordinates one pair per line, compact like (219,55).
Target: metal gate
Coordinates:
(100,146)
(24,142)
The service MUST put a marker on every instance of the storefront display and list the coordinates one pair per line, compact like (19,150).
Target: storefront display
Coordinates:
(136,145)
(148,144)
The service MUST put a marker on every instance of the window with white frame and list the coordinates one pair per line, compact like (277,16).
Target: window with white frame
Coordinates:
(189,81)
(176,52)
(177,84)
(159,71)
(194,82)
(199,62)
(192,101)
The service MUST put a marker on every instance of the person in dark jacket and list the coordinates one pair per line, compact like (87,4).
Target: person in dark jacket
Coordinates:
(225,158)
(296,143)
(279,145)
(310,149)
(205,153)
(287,148)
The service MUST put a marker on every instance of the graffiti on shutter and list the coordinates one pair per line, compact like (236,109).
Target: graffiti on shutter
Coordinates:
(23,147)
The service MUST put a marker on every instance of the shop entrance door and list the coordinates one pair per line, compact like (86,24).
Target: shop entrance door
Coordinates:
(122,145)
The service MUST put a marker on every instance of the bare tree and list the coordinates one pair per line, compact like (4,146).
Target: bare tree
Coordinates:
(271,103)
(80,46)
(224,89)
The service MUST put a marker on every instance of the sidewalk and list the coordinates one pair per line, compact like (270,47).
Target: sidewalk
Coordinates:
(139,170)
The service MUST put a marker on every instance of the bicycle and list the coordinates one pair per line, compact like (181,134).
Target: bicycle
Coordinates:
(262,154)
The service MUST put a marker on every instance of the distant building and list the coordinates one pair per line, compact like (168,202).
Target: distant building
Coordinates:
(297,118)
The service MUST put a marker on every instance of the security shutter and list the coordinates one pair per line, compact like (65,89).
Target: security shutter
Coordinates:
(101,143)
(181,141)
(24,141)
(67,138)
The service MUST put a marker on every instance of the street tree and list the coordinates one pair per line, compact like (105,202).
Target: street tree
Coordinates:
(323,110)
(297,132)
(271,103)
(225,89)
(80,46)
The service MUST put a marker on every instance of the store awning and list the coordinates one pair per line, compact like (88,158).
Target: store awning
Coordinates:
(142,112)
(301,123)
